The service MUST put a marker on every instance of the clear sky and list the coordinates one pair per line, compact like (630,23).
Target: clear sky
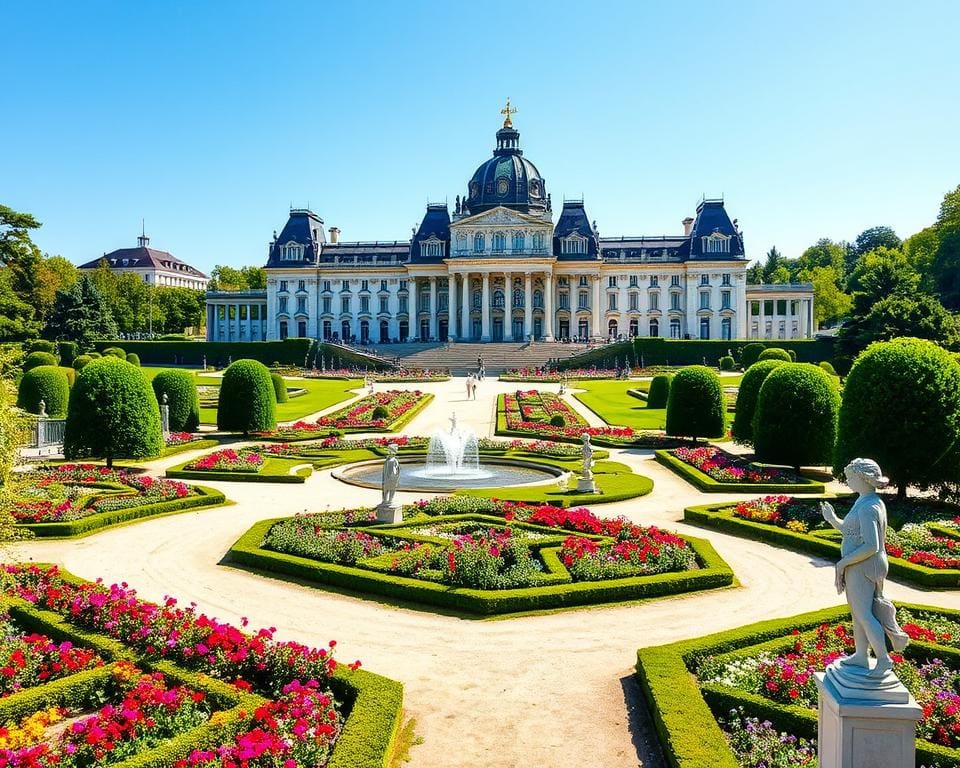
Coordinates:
(813,119)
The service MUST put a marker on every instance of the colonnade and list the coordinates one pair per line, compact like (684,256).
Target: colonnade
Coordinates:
(236,320)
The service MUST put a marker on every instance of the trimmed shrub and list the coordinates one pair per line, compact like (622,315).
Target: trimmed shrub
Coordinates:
(94,355)
(380,412)
(41,345)
(775,353)
(659,391)
(115,352)
(67,351)
(247,400)
(181,392)
(900,407)
(828,368)
(133,359)
(279,387)
(35,359)
(795,421)
(695,406)
(726,363)
(71,375)
(793,355)
(557,420)
(113,413)
(750,354)
(81,360)
(48,383)
(742,429)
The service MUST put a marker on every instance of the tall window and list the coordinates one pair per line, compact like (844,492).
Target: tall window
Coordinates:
(499,242)
(383,285)
(364,285)
(704,299)
(612,301)
(345,286)
(283,286)
(282,305)
(704,328)
(655,300)
(563,300)
(404,305)
(302,285)
(461,243)
(612,281)
(725,279)
(633,281)
(364,303)
(674,280)
(326,286)
(582,300)
(674,301)
(725,300)
(327,305)
(538,241)
(726,329)
(403,285)
(345,304)
(477,300)
(302,305)
(518,241)
(634,302)
(674,329)
(583,281)
(654,281)
(384,305)
(478,244)
(442,302)
(283,330)
(654,327)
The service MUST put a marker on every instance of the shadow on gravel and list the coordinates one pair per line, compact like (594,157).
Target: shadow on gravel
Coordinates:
(640,725)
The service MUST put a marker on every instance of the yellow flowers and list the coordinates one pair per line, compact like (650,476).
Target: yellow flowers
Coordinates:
(797,526)
(123,670)
(31,729)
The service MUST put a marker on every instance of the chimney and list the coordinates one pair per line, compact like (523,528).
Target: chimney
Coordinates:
(334,234)
(687,226)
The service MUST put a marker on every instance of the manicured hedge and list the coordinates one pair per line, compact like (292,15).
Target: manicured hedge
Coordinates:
(711,516)
(181,390)
(750,354)
(247,401)
(695,407)
(775,353)
(708,484)
(116,352)
(48,383)
(67,351)
(36,359)
(193,445)
(659,392)
(747,394)
(279,387)
(81,360)
(714,572)
(133,359)
(209,497)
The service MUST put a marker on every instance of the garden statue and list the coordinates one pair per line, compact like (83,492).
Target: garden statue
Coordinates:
(586,484)
(42,406)
(862,569)
(453,423)
(389,510)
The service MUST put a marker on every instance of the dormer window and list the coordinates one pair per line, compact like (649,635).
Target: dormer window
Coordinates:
(431,249)
(574,244)
(291,252)
(716,243)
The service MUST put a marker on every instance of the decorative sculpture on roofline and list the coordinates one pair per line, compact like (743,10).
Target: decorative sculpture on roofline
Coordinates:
(507,111)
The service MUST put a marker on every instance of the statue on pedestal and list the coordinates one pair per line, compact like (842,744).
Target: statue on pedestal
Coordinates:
(389,511)
(42,408)
(586,484)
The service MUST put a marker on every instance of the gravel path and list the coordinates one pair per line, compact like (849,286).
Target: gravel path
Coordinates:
(551,690)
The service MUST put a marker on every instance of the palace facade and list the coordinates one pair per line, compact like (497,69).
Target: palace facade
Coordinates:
(499,268)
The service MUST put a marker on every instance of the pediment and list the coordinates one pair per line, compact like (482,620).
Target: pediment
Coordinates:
(500,216)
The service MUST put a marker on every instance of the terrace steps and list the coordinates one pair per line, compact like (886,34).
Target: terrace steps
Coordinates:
(461,357)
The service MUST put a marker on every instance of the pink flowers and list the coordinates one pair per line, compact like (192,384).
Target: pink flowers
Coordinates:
(227,459)
(726,468)
(179,438)
(532,410)
(360,415)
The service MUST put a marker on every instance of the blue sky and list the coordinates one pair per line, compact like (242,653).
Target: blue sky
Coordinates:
(813,119)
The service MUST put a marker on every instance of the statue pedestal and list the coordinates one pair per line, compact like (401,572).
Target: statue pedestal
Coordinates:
(586,485)
(874,724)
(390,513)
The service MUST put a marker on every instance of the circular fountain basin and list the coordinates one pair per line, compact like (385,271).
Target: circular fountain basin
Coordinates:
(415,475)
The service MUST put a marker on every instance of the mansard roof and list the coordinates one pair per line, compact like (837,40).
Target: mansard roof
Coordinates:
(573,221)
(644,248)
(436,225)
(371,253)
(712,218)
(304,228)
(143,257)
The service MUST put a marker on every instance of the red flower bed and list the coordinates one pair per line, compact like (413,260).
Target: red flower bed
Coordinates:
(360,414)
(530,411)
(229,460)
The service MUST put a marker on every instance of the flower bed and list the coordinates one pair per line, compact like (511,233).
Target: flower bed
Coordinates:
(764,674)
(267,465)
(410,374)
(218,696)
(528,414)
(484,556)
(922,541)
(712,469)
(228,460)
(66,499)
(399,406)
(542,375)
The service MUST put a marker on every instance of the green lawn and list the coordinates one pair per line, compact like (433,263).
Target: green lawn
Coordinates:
(610,401)
(321,393)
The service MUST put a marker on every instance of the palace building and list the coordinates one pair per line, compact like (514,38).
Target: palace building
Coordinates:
(503,267)
(153,266)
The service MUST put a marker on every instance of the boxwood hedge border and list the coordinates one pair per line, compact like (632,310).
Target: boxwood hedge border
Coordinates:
(706,483)
(373,704)
(193,445)
(303,471)
(208,497)
(712,516)
(394,426)
(682,709)
(713,572)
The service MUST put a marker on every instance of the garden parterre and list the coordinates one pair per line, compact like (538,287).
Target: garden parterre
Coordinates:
(712,469)
(381,411)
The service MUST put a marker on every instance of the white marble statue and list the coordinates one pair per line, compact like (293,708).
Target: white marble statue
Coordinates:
(586,452)
(391,476)
(453,423)
(862,569)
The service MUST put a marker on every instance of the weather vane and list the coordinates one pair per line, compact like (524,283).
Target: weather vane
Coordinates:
(507,111)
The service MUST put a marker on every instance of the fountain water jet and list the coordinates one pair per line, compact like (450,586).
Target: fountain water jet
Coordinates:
(453,454)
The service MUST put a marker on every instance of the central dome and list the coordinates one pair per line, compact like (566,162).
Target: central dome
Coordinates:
(507,179)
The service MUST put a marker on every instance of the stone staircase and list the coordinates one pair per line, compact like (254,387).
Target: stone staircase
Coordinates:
(461,357)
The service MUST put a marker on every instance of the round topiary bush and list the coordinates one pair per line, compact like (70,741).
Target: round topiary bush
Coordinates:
(901,408)
(81,360)
(726,363)
(380,412)
(115,352)
(793,355)
(279,387)
(828,368)
(247,400)
(557,420)
(695,406)
(795,421)
(35,359)
(67,351)
(750,354)
(94,355)
(48,383)
(775,353)
(113,413)
(133,358)
(182,398)
(71,375)
(41,345)
(742,429)
(659,391)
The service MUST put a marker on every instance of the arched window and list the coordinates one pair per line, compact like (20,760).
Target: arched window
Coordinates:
(612,329)
(519,241)
(518,298)
(674,329)
(461,243)
(499,242)
(498,298)
(478,244)
(726,329)
(654,328)
(477,300)
(634,327)
(538,298)
(538,241)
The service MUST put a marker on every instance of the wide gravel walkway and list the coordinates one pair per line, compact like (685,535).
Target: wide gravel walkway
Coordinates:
(546,691)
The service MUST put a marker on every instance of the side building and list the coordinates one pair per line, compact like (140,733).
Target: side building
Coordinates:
(498,268)
(153,266)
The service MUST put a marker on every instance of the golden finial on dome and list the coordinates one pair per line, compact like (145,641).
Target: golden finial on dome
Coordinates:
(507,111)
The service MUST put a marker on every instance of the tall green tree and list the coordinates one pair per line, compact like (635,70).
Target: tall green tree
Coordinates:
(829,302)
(17,321)
(876,237)
(82,314)
(825,253)
(880,273)
(921,252)
(755,273)
(946,263)
(15,234)
(772,262)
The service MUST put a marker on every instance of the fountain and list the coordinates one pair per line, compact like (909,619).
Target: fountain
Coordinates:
(453,462)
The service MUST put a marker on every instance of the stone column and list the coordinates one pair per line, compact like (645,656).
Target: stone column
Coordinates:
(485,309)
(465,306)
(597,319)
(249,323)
(762,322)
(624,323)
(527,305)
(508,307)
(452,313)
(433,308)
(548,307)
